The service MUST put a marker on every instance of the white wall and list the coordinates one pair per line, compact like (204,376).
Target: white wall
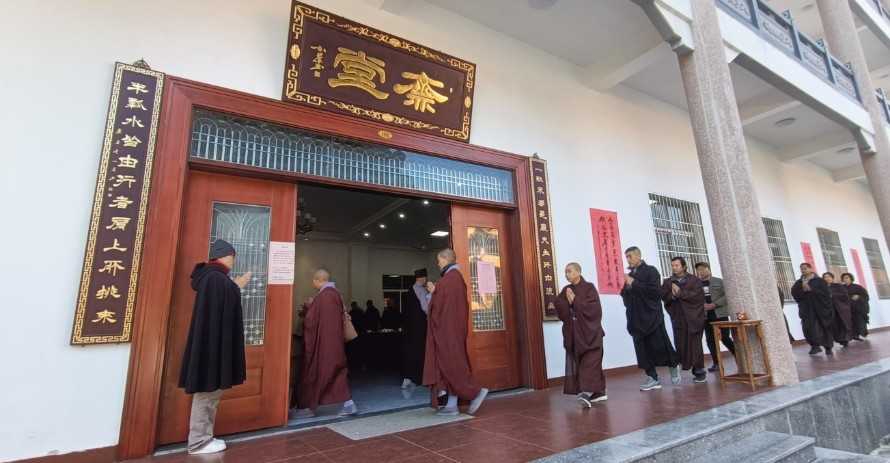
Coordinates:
(605,151)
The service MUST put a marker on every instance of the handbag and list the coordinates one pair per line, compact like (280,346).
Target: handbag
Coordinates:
(349,332)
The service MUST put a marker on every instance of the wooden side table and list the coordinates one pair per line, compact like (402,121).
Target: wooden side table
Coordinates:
(740,327)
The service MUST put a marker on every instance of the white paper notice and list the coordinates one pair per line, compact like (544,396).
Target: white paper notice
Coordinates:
(281,262)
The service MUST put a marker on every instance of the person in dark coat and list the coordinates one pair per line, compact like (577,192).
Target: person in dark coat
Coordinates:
(859,301)
(816,310)
(684,300)
(578,306)
(392,319)
(843,312)
(645,320)
(356,354)
(417,305)
(214,359)
(324,376)
(447,364)
(372,317)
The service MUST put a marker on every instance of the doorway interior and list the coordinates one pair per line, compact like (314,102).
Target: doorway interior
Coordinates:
(371,243)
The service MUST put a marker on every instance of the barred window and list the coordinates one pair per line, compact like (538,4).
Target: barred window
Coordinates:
(833,252)
(878,271)
(678,231)
(781,262)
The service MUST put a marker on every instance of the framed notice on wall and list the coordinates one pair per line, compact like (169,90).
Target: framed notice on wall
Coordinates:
(104,310)
(339,65)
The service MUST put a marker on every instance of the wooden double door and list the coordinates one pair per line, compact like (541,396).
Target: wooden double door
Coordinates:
(251,213)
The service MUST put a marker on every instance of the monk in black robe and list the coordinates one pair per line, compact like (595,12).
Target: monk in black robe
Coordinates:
(859,304)
(816,310)
(578,306)
(684,300)
(447,365)
(214,359)
(324,374)
(645,320)
(417,305)
(843,312)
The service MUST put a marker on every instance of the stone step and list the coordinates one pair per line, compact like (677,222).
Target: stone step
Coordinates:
(763,447)
(824,455)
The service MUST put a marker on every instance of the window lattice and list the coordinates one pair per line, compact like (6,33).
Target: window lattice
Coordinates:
(678,231)
(878,271)
(783,268)
(222,138)
(832,251)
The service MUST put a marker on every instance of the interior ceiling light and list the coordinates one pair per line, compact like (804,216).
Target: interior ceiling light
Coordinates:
(785,122)
(366,235)
(426,202)
(382,226)
(401,215)
(439,233)
(846,150)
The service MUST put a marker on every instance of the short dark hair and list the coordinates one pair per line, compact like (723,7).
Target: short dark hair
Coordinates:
(632,249)
(847,274)
(828,273)
(682,261)
(706,265)
(806,264)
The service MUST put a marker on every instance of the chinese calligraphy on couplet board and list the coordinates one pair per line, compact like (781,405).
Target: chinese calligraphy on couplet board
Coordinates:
(338,65)
(857,264)
(607,248)
(807,251)
(544,237)
(104,312)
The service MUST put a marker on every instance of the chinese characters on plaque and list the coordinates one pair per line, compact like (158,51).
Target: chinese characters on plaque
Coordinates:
(544,237)
(342,66)
(107,292)
(807,251)
(607,248)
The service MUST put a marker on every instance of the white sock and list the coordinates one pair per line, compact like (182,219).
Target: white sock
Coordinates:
(348,403)
(452,401)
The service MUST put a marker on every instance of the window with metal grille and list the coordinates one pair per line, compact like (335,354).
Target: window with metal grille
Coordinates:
(678,231)
(832,251)
(781,262)
(878,271)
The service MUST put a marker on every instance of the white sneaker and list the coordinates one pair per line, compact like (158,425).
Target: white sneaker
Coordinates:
(349,409)
(214,446)
(445,411)
(477,402)
(407,383)
(675,375)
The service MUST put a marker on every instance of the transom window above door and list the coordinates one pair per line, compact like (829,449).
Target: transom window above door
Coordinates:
(222,138)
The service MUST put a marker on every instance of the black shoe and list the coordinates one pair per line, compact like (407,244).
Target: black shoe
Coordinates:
(828,352)
(713,368)
(815,350)
(844,343)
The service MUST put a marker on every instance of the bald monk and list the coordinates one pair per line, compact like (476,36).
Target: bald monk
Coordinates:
(578,306)
(323,378)
(446,367)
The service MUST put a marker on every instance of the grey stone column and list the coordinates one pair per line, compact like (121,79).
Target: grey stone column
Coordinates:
(843,42)
(726,172)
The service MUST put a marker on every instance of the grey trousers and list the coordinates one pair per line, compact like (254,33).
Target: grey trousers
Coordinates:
(203,416)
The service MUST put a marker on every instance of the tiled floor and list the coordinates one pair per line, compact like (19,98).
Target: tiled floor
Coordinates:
(528,426)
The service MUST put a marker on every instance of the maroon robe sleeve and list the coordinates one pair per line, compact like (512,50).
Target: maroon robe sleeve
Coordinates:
(588,318)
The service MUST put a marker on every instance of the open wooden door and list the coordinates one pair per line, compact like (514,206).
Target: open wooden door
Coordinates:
(481,240)
(249,214)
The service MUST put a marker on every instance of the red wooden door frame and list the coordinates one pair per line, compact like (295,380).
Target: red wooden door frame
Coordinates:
(138,433)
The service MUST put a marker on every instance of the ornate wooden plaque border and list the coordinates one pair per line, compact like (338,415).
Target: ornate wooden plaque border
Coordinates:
(546,255)
(104,311)
(342,66)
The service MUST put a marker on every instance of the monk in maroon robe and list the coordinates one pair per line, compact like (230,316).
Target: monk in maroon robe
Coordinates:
(447,363)
(323,378)
(578,306)
(684,300)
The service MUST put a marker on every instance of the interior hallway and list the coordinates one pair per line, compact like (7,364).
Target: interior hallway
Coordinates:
(532,425)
